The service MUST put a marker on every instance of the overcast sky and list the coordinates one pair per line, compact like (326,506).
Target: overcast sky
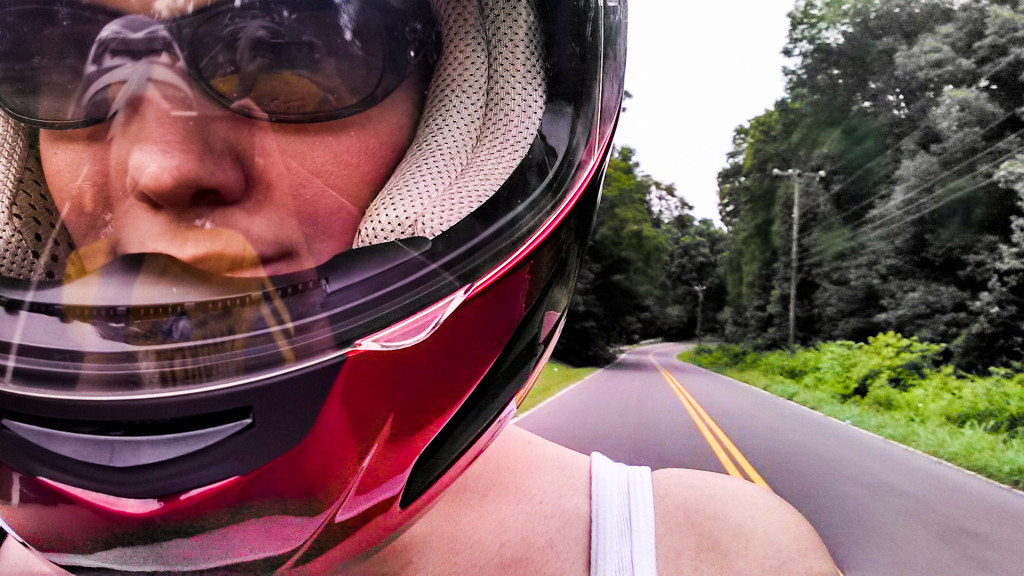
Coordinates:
(697,70)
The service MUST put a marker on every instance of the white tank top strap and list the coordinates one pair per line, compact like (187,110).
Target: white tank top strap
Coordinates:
(621,519)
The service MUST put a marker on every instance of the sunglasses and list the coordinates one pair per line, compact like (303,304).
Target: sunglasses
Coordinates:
(68,64)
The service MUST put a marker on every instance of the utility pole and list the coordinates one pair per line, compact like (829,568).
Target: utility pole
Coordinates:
(795,176)
(700,307)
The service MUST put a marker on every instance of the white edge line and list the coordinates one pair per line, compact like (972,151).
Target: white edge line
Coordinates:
(566,389)
(560,392)
(585,378)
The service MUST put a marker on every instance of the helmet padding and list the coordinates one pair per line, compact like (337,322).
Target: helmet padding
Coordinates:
(33,242)
(483,111)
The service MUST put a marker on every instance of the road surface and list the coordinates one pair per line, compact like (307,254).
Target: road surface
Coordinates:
(881,508)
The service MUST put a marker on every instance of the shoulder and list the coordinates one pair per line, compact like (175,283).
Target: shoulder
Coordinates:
(523,507)
(16,559)
(710,523)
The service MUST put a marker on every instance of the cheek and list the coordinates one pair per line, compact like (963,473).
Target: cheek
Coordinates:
(75,165)
(360,169)
(345,171)
(334,192)
(368,147)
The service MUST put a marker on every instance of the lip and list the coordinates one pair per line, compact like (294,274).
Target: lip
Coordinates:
(216,250)
(268,266)
(242,265)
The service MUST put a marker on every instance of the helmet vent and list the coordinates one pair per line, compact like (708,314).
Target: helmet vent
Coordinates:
(127,444)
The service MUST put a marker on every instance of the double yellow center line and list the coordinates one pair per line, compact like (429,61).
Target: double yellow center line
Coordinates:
(730,456)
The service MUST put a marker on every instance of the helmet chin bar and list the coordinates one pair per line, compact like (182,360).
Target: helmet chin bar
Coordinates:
(186,442)
(506,378)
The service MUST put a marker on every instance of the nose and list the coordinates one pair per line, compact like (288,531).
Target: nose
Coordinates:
(175,160)
(172,147)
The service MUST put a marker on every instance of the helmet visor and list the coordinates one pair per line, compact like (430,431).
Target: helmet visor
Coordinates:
(179,246)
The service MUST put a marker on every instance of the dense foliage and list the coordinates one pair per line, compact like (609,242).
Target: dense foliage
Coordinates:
(914,112)
(913,109)
(897,387)
(647,269)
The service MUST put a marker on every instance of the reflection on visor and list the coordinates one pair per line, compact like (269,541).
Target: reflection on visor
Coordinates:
(149,323)
(278,63)
(259,62)
(282,91)
(128,53)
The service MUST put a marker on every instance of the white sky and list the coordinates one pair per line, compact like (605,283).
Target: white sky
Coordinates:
(697,70)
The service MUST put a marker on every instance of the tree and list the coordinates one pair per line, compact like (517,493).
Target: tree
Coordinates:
(645,258)
(912,107)
(620,273)
(996,337)
(692,289)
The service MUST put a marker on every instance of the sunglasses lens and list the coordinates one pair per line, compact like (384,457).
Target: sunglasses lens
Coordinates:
(43,51)
(324,61)
(294,62)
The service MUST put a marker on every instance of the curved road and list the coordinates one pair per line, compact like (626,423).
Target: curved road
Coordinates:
(881,509)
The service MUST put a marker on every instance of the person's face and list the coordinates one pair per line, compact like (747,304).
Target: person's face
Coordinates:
(176,173)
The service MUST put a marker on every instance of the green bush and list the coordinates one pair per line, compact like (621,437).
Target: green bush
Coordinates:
(843,368)
(835,368)
(994,403)
(897,362)
(895,387)
(792,367)
(721,356)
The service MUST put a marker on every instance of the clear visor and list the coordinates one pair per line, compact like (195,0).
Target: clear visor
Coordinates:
(190,241)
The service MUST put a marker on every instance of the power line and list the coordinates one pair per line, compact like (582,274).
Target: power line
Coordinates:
(878,194)
(1002,63)
(872,229)
(929,209)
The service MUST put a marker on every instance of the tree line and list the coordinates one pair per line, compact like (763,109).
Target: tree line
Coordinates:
(651,269)
(912,110)
(907,119)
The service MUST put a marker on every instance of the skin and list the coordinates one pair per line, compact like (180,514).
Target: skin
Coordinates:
(705,523)
(179,174)
(16,559)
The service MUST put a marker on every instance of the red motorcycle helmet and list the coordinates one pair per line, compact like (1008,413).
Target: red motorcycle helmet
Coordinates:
(166,410)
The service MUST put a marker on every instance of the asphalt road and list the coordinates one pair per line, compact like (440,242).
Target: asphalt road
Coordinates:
(882,509)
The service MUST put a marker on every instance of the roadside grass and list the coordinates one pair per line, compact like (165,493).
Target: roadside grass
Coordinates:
(928,414)
(554,378)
